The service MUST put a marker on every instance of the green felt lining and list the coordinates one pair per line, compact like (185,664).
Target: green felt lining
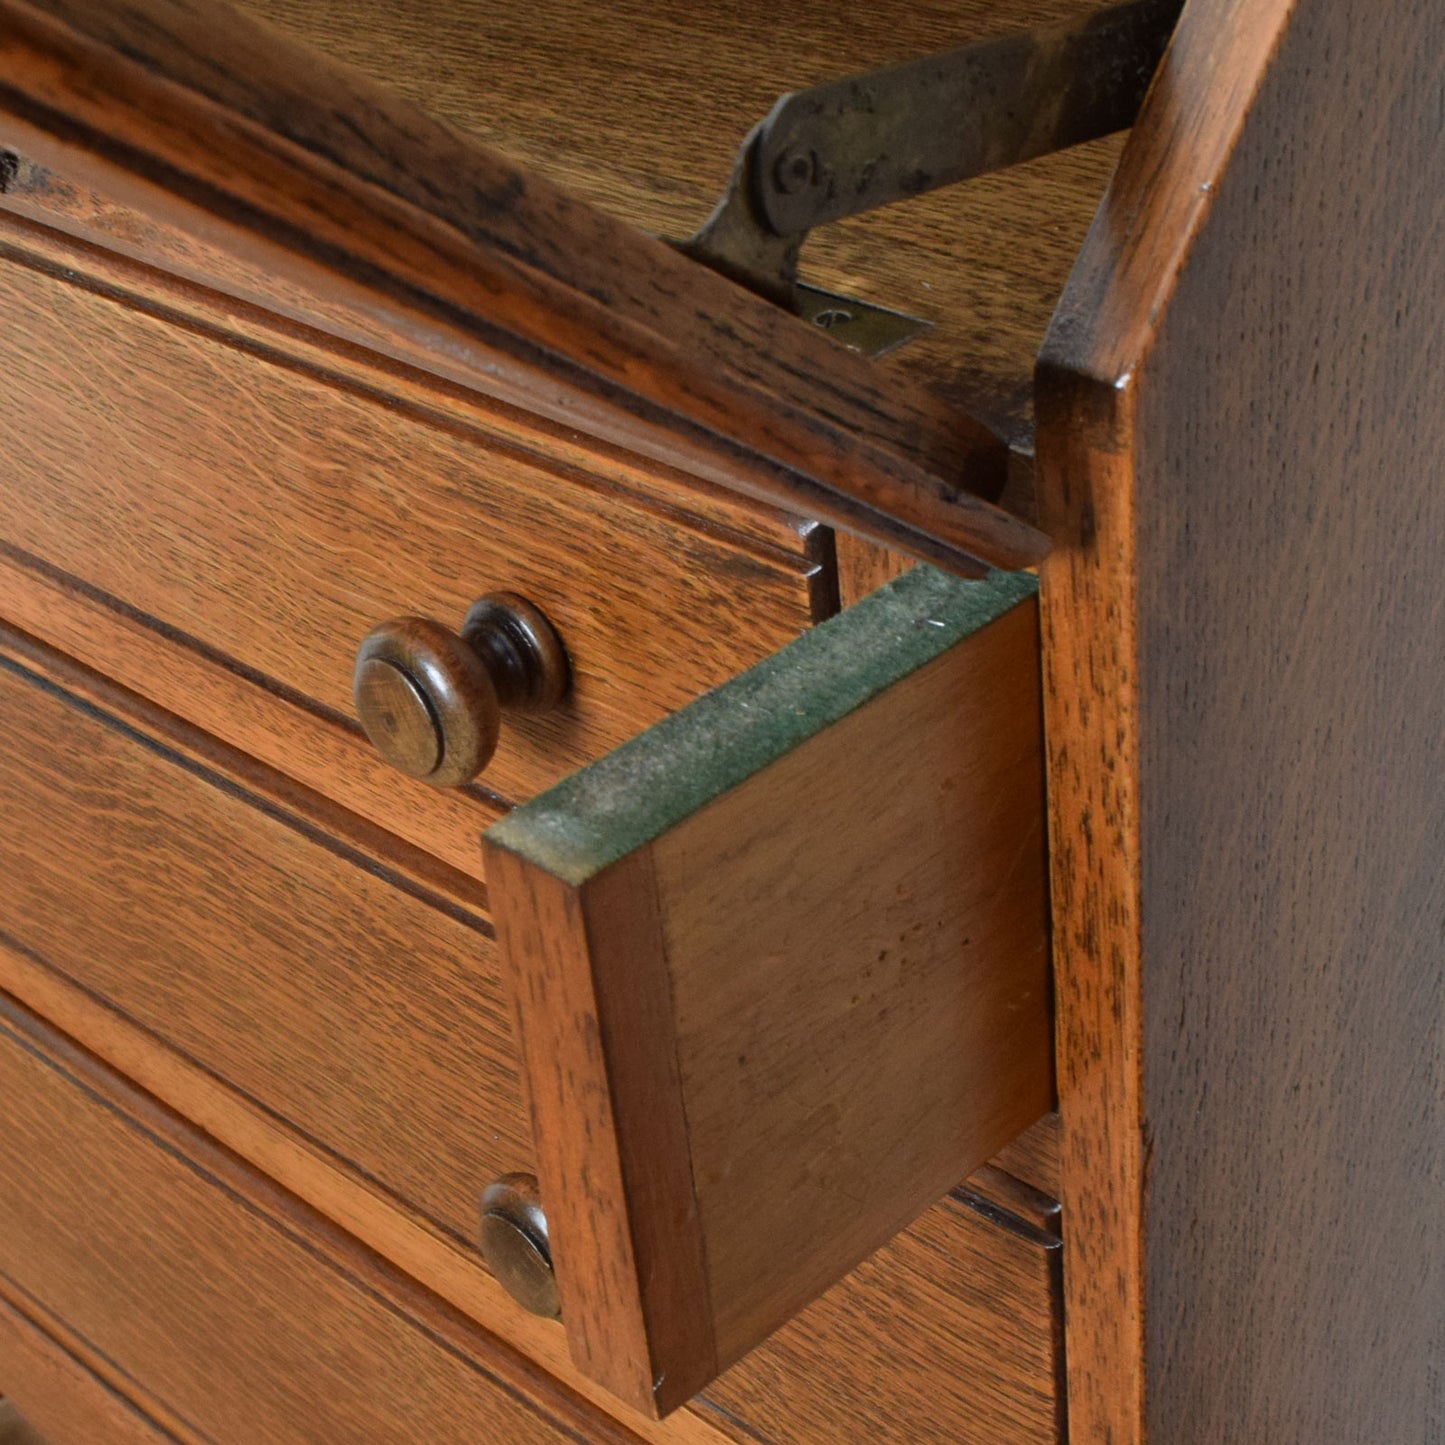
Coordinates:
(633,795)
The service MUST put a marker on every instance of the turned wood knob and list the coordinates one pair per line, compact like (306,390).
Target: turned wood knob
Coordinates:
(431,700)
(516,1244)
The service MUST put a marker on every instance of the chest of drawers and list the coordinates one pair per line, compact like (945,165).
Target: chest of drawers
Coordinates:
(746,985)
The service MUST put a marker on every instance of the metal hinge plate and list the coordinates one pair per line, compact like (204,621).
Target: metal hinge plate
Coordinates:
(870,140)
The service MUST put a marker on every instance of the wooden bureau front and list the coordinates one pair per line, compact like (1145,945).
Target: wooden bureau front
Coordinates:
(214,509)
(779,964)
(341,998)
(216,483)
(225,894)
(142,1262)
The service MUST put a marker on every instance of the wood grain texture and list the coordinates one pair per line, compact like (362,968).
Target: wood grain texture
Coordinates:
(917,1325)
(270,513)
(399,1232)
(955,1315)
(953,1330)
(847,1017)
(1033,1157)
(277,960)
(560,303)
(437,1261)
(1240,443)
(981,1337)
(60,1396)
(640,107)
(144,256)
(322,747)
(591,992)
(864,567)
(305,1336)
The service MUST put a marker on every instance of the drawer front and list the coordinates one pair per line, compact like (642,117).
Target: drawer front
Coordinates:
(201,1289)
(263,502)
(209,1306)
(369,1020)
(337,995)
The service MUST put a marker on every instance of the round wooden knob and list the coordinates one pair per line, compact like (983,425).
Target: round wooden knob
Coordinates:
(516,1244)
(431,700)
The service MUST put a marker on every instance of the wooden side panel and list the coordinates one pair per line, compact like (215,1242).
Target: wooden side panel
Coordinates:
(842,851)
(855,942)
(1244,719)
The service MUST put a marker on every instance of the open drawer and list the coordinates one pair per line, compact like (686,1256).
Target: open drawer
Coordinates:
(779,965)
(780,974)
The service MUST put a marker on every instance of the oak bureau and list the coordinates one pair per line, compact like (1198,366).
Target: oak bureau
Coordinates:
(583,857)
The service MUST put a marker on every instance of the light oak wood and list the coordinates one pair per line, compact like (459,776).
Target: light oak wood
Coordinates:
(864,567)
(232,491)
(760,1033)
(1033,1157)
(953,1330)
(979,1302)
(61,1397)
(350,1004)
(120,246)
(873,1313)
(221,1295)
(562,306)
(1239,455)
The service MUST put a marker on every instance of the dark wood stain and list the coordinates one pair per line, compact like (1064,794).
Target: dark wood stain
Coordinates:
(1241,457)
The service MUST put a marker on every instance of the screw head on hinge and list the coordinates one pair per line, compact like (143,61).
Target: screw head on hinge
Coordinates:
(795,170)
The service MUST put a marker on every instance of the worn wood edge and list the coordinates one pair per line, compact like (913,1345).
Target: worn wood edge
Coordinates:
(650,784)
(1085,405)
(831,461)
(636,1021)
(631,1279)
(1160,196)
(741,460)
(311,103)
(441,1324)
(52,1384)
(1090,651)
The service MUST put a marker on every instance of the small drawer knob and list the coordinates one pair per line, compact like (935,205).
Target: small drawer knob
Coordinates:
(431,700)
(516,1244)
